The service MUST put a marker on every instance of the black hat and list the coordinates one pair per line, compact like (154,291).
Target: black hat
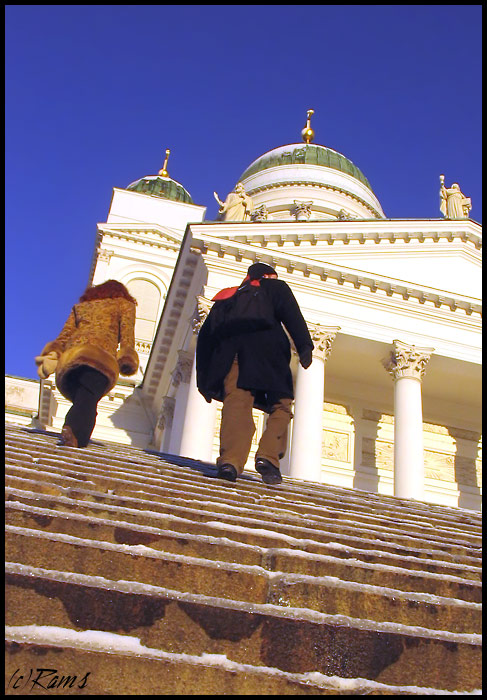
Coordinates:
(258,270)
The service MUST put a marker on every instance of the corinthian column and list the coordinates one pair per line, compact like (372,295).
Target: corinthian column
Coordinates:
(199,421)
(164,421)
(306,443)
(407,365)
(181,376)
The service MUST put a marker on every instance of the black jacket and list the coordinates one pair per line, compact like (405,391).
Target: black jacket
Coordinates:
(263,356)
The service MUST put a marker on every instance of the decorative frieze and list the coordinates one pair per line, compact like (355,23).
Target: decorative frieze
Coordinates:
(182,371)
(331,188)
(407,360)
(14,395)
(143,346)
(377,454)
(335,445)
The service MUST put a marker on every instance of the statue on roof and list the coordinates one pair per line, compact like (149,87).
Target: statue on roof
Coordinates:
(453,204)
(237,206)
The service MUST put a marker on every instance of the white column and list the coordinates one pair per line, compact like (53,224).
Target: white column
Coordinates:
(306,442)
(199,423)
(195,415)
(407,364)
(181,376)
(165,422)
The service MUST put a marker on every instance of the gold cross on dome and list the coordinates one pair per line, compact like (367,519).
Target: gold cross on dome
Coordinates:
(307,133)
(163,172)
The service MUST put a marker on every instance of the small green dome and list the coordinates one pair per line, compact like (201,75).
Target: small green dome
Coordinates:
(308,154)
(159,186)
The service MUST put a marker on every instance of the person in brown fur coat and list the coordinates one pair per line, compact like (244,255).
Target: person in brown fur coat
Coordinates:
(86,355)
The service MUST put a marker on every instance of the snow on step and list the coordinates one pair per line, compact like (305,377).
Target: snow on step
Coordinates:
(327,576)
(225,549)
(95,641)
(416,510)
(389,542)
(144,511)
(283,514)
(246,582)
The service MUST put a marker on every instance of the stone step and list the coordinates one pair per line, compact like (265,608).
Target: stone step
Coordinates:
(220,549)
(143,461)
(158,465)
(123,556)
(317,529)
(106,664)
(175,491)
(148,513)
(252,584)
(183,623)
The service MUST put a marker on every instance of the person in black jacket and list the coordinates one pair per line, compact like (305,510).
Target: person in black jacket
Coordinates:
(252,369)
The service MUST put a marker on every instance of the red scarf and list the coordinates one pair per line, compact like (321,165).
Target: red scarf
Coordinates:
(230,291)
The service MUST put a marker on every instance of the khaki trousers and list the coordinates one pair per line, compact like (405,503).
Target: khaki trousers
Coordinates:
(238,428)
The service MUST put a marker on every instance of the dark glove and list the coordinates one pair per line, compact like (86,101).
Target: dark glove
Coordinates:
(306,357)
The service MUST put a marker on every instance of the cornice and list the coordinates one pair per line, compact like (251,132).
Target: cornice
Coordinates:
(293,264)
(169,322)
(456,249)
(360,230)
(141,234)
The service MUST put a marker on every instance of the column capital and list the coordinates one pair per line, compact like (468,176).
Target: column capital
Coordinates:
(322,337)
(201,311)
(182,371)
(406,360)
(302,210)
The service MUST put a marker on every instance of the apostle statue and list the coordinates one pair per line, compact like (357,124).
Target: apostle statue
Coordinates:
(453,204)
(237,206)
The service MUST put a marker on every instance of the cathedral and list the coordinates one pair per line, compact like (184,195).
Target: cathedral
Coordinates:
(391,402)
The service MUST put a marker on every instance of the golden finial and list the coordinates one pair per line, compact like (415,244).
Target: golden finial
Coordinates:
(307,133)
(163,172)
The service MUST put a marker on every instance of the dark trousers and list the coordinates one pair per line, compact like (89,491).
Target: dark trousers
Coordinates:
(88,386)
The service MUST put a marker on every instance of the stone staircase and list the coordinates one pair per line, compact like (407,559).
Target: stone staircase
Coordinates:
(134,573)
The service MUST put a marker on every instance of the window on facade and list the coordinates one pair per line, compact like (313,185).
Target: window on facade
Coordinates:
(148,298)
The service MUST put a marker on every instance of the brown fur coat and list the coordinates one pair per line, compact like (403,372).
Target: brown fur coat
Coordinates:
(91,336)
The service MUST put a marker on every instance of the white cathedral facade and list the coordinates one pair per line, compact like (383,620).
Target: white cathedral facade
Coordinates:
(392,401)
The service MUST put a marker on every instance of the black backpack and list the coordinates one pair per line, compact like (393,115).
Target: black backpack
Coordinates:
(247,311)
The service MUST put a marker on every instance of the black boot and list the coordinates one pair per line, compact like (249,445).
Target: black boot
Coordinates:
(68,438)
(269,473)
(227,472)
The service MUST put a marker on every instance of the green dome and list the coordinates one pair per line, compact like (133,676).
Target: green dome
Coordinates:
(308,154)
(159,186)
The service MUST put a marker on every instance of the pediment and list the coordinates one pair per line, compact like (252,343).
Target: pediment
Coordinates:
(442,292)
(142,232)
(437,253)
(453,266)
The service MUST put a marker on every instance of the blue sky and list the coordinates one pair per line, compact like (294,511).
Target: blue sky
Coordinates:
(96,93)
